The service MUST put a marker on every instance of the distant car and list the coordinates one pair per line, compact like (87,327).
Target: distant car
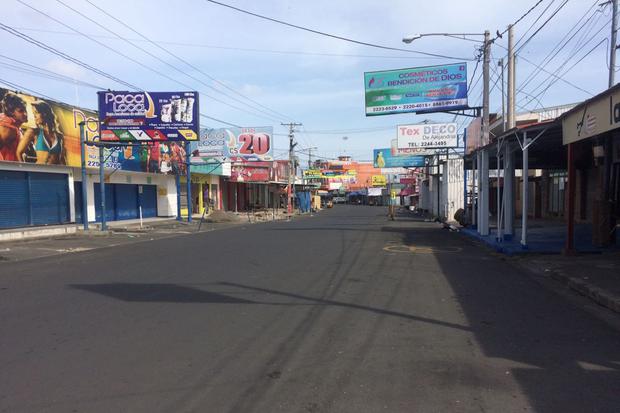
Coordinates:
(339,200)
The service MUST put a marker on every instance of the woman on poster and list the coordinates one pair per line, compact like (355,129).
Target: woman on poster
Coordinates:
(46,137)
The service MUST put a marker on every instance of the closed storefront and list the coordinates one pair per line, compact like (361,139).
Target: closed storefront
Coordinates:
(123,201)
(33,198)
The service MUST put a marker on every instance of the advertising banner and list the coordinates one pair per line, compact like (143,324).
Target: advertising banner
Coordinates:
(598,116)
(426,136)
(378,180)
(422,89)
(251,171)
(148,116)
(312,174)
(42,131)
(233,145)
(383,159)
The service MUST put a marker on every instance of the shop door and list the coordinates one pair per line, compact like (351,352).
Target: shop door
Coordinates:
(33,198)
(109,202)
(148,200)
(49,198)
(14,202)
(126,201)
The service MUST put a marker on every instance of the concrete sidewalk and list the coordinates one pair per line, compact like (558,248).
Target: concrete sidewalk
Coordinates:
(596,276)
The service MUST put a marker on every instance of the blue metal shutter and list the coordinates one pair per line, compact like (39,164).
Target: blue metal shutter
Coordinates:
(14,202)
(148,201)
(109,202)
(126,201)
(49,198)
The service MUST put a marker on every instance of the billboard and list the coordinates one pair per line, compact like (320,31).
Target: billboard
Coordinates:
(421,89)
(427,136)
(233,145)
(312,174)
(251,171)
(148,116)
(378,180)
(383,159)
(47,132)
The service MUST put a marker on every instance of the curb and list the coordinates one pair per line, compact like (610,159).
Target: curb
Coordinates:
(584,288)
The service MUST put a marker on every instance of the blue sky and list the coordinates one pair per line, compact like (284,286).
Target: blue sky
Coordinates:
(303,77)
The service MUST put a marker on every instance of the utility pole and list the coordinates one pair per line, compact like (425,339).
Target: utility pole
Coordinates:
(614,35)
(310,156)
(291,165)
(500,63)
(511,79)
(483,196)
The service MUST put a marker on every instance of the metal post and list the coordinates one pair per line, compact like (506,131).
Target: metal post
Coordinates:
(511,79)
(84,182)
(189,182)
(178,185)
(501,64)
(485,88)
(499,218)
(612,46)
(525,191)
(509,205)
(104,225)
(484,193)
(569,247)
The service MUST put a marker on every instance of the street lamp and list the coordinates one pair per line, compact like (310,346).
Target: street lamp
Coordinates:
(483,160)
(486,49)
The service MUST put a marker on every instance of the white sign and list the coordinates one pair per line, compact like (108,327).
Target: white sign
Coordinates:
(396,151)
(426,136)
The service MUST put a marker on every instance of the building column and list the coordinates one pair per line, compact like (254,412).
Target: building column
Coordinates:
(509,202)
(484,193)
(526,191)
(569,247)
(478,188)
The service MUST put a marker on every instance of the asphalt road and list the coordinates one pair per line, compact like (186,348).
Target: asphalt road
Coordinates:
(340,312)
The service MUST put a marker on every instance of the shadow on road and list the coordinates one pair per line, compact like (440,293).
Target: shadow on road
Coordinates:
(568,361)
(169,293)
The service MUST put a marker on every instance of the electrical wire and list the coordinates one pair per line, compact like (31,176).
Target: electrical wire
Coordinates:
(346,39)
(194,67)
(242,49)
(19,88)
(541,27)
(522,17)
(65,56)
(534,23)
(147,67)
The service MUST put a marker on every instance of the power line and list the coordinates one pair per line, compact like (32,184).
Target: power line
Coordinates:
(78,62)
(65,56)
(242,49)
(128,57)
(184,61)
(19,88)
(534,23)
(520,18)
(346,39)
(542,26)
(560,45)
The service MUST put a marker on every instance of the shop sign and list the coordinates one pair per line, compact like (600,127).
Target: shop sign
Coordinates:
(251,172)
(396,151)
(312,174)
(422,89)
(148,116)
(378,180)
(600,115)
(427,136)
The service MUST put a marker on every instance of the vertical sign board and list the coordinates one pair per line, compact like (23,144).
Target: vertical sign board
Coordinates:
(148,116)
(426,136)
(422,89)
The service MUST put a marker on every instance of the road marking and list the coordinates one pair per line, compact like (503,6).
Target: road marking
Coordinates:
(417,249)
